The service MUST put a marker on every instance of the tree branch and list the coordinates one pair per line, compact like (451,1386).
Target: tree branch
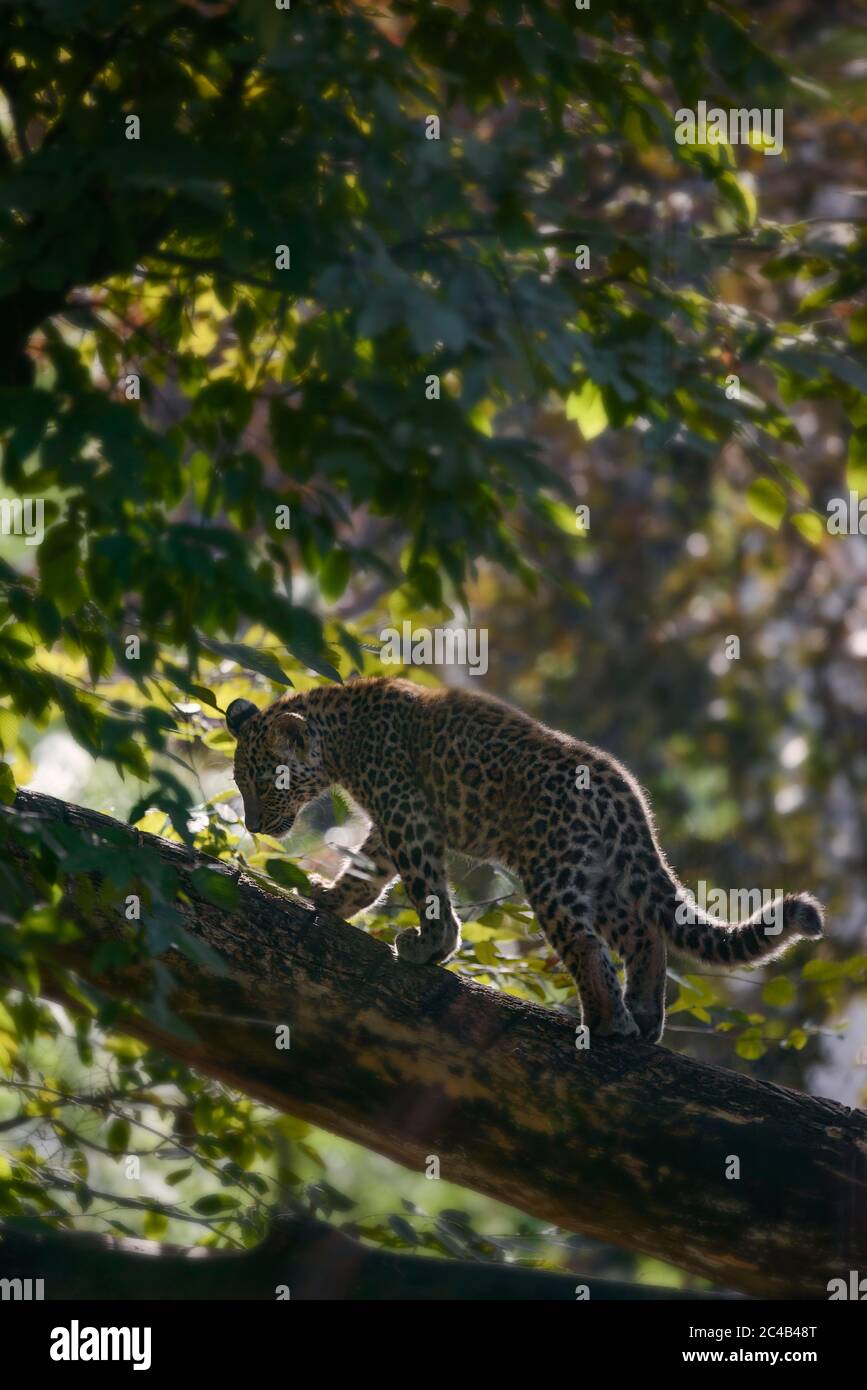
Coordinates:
(310,1258)
(624,1142)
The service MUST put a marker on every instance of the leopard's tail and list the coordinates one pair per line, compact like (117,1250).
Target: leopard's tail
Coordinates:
(767,932)
(650,890)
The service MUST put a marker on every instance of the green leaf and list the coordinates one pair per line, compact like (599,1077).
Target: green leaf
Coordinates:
(767,502)
(779,992)
(823,971)
(473,933)
(858,327)
(287,874)
(8,789)
(486,953)
(402,1229)
(334,574)
(214,1203)
(199,951)
(856,463)
(587,408)
(215,887)
(560,515)
(263,663)
(750,1046)
(117,1136)
(190,687)
(79,1165)
(811,527)
(314,660)
(739,197)
(155,1224)
(291,1128)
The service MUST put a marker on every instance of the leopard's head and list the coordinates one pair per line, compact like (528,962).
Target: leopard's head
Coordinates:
(278,764)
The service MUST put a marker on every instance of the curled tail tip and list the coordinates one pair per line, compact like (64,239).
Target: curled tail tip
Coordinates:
(804,915)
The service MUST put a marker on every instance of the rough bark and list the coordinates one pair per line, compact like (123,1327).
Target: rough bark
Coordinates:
(625,1142)
(310,1259)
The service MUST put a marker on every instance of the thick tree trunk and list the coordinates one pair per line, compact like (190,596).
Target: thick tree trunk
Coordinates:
(625,1142)
(304,1259)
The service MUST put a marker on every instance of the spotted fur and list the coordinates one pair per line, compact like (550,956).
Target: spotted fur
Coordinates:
(438,768)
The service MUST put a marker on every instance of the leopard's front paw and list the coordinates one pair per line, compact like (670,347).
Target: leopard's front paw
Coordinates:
(619,1026)
(650,1025)
(317,892)
(420,949)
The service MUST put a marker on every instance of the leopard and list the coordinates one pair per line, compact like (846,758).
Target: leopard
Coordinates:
(447,768)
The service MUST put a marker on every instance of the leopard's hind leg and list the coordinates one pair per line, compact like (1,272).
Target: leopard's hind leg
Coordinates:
(562,897)
(645,984)
(644,954)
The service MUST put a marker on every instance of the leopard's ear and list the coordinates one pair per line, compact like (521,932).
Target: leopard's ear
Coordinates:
(288,732)
(238,713)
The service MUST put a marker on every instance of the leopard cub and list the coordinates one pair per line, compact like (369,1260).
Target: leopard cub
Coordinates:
(438,768)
